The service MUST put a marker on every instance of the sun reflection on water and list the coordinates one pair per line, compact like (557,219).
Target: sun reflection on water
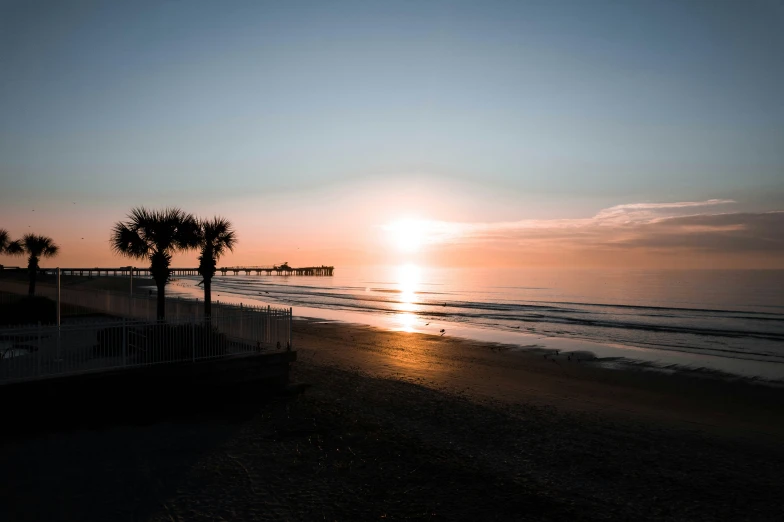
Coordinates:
(408,280)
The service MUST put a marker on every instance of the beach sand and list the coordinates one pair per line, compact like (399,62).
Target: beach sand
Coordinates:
(570,382)
(397,425)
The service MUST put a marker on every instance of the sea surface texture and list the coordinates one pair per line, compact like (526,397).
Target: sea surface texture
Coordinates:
(735,314)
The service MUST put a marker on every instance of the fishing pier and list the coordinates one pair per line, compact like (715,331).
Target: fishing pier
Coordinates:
(282,269)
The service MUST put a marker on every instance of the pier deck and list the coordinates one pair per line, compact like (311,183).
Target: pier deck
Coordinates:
(283,269)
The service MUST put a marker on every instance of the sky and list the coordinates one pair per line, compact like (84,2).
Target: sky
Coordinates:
(521,133)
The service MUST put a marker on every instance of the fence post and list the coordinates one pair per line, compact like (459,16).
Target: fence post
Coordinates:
(38,352)
(291,320)
(59,304)
(193,341)
(125,343)
(130,295)
(58,297)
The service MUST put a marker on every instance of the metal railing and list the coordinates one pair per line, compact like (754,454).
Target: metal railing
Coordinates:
(86,301)
(28,353)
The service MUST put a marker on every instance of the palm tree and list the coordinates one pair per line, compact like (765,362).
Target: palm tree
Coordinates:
(4,241)
(156,235)
(35,247)
(216,236)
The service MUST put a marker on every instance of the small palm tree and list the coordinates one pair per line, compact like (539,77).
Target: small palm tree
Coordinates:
(216,236)
(156,235)
(35,247)
(4,240)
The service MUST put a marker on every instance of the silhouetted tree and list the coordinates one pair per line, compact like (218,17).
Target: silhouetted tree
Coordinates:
(4,240)
(216,236)
(156,235)
(35,247)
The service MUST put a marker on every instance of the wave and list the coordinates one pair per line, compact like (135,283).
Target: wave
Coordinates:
(755,332)
(561,316)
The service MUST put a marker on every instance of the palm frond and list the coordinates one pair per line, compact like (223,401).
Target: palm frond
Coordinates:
(127,242)
(14,248)
(4,240)
(39,246)
(147,232)
(187,233)
(50,250)
(217,236)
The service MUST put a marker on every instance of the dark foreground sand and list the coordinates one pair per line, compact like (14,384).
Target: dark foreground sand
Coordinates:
(398,426)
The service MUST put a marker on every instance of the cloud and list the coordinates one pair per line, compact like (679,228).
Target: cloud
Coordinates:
(687,225)
(732,232)
(639,212)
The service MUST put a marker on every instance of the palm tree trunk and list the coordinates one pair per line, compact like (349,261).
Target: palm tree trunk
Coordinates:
(207,298)
(32,272)
(31,288)
(161,299)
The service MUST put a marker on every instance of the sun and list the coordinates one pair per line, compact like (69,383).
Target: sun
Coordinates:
(406,234)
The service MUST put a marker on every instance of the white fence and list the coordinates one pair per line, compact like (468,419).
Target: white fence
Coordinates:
(78,301)
(91,344)
(46,351)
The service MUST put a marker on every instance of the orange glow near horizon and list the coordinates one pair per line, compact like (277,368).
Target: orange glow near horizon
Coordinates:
(368,229)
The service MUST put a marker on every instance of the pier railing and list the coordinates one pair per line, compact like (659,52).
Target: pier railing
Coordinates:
(284,269)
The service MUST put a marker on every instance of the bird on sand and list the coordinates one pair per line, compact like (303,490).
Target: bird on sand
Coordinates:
(426,324)
(443,331)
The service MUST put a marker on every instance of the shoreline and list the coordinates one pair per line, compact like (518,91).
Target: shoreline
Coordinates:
(614,356)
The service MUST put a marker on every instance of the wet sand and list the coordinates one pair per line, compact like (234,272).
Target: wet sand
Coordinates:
(572,381)
(398,425)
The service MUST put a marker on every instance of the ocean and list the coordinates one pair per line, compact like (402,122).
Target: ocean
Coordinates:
(729,321)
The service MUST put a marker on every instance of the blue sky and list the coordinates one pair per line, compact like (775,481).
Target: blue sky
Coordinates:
(498,111)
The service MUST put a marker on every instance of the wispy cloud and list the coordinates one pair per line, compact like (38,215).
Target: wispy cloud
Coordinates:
(646,212)
(676,225)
